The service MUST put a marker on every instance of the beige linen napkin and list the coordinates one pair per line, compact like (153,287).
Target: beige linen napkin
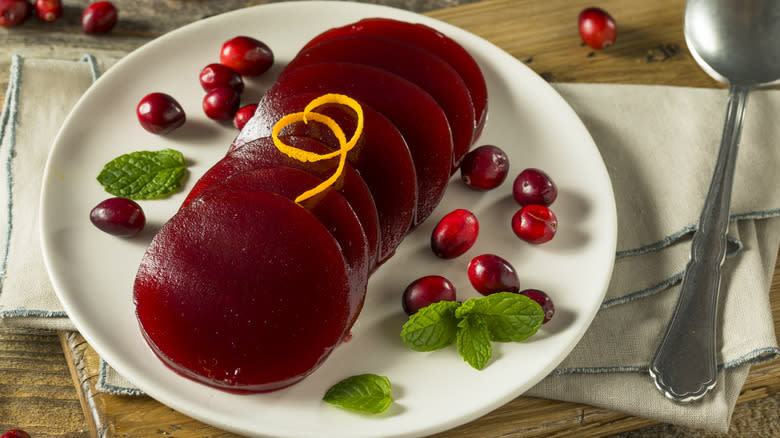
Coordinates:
(659,145)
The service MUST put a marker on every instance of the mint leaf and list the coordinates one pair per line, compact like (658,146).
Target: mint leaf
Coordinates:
(144,174)
(432,327)
(509,317)
(474,341)
(367,393)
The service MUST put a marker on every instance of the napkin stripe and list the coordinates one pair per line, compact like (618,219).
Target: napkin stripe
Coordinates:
(753,357)
(103,385)
(735,247)
(8,119)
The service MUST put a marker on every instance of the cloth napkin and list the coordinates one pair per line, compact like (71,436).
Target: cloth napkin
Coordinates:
(659,144)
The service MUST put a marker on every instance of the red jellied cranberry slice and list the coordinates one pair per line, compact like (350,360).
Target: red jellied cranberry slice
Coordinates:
(13,12)
(99,17)
(118,216)
(490,274)
(597,28)
(535,224)
(455,233)
(246,55)
(533,186)
(484,168)
(425,291)
(221,103)
(48,10)
(243,115)
(16,433)
(543,299)
(159,113)
(217,75)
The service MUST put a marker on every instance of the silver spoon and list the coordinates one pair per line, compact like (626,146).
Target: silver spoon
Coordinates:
(736,42)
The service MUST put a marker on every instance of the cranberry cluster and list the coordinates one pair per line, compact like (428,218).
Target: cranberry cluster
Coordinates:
(223,83)
(486,168)
(97,18)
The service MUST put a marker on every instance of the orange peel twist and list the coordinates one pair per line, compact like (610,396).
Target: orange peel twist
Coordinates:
(345,145)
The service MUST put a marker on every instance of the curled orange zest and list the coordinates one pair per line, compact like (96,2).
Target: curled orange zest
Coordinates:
(345,146)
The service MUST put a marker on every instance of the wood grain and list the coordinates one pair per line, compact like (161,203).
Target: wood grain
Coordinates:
(36,390)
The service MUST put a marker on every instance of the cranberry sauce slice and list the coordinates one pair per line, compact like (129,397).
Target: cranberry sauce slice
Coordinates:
(413,111)
(416,65)
(330,207)
(229,280)
(381,157)
(429,39)
(263,154)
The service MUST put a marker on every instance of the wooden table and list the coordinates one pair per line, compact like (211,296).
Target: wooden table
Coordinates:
(51,394)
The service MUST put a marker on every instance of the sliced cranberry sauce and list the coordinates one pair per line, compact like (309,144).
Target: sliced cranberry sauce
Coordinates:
(428,39)
(231,280)
(262,154)
(330,207)
(413,111)
(416,65)
(381,157)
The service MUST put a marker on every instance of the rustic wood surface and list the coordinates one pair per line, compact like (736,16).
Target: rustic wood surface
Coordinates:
(37,392)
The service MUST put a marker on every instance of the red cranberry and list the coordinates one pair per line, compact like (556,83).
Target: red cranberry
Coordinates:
(535,223)
(99,17)
(491,274)
(597,28)
(221,103)
(160,113)
(218,75)
(13,12)
(16,433)
(243,115)
(455,233)
(484,168)
(118,216)
(48,10)
(246,55)
(533,186)
(544,300)
(425,291)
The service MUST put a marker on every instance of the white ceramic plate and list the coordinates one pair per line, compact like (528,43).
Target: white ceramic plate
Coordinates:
(93,272)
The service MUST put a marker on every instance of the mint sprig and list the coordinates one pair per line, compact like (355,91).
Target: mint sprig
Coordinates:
(432,327)
(501,317)
(144,174)
(368,393)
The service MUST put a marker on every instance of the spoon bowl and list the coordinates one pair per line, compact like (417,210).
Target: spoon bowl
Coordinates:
(738,43)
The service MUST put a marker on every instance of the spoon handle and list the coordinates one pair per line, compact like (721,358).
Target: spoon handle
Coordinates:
(684,366)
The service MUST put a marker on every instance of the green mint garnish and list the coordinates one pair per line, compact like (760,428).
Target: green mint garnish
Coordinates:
(432,327)
(144,174)
(509,317)
(367,393)
(501,317)
(474,341)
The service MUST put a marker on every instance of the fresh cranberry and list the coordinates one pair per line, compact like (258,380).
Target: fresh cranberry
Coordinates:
(217,75)
(533,186)
(490,274)
(160,113)
(246,55)
(425,291)
(48,10)
(535,223)
(543,299)
(221,103)
(484,168)
(16,433)
(455,233)
(99,17)
(243,115)
(597,28)
(13,12)
(118,216)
